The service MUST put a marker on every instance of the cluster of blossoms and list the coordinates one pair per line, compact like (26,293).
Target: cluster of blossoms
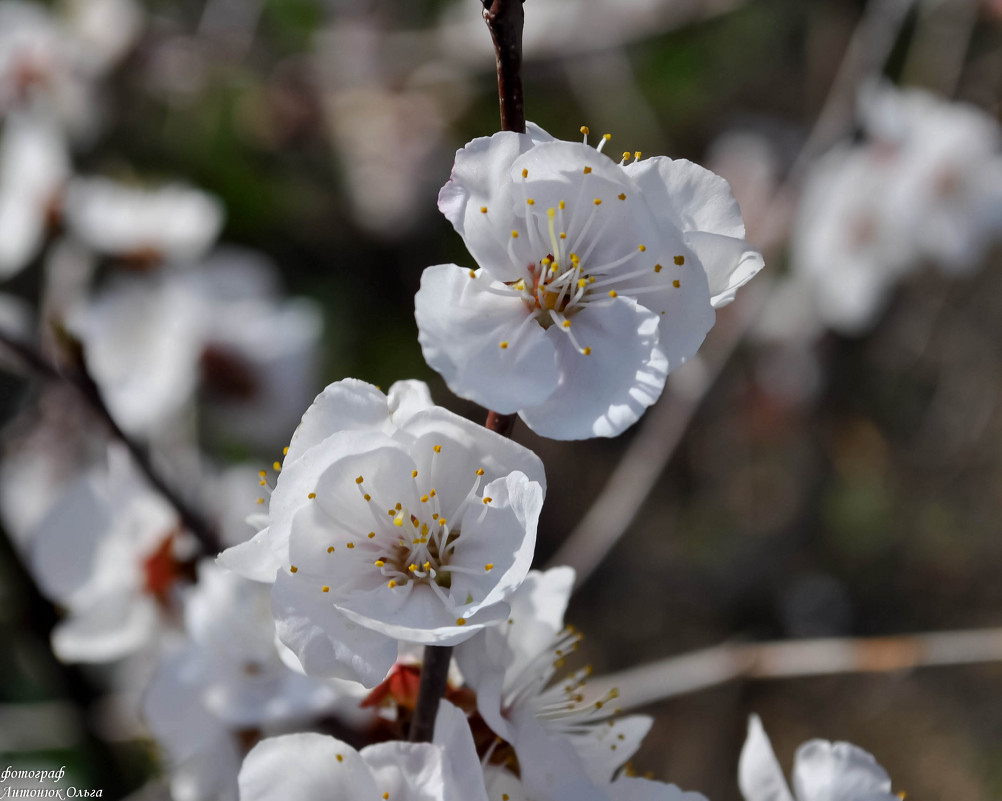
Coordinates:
(392,526)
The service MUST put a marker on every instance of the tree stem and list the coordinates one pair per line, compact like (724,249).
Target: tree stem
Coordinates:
(434,678)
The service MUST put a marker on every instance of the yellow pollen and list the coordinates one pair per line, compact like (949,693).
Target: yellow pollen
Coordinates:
(531,202)
(351,545)
(591,279)
(489,567)
(424,499)
(412,568)
(585,130)
(262,483)
(622,196)
(367,496)
(525,173)
(263,474)
(480,471)
(514,234)
(413,473)
(285,451)
(562,205)
(676,283)
(473,273)
(312,495)
(390,512)
(587,170)
(398,507)
(276,465)
(657,268)
(325,588)
(598,201)
(487,499)
(563,236)
(566,323)
(607,137)
(340,758)
(460,621)
(391,584)
(626,155)
(359,480)
(582,283)
(385,796)
(426,565)
(293,569)
(260,501)
(371,535)
(551,212)
(398,521)
(442,521)
(483,209)
(547,261)
(436,448)
(424,529)
(613,293)
(330,549)
(642,248)
(637,155)
(379,563)
(433,493)
(680,260)
(587,351)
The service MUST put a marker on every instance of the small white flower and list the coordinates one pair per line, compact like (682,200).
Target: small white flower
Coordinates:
(390,524)
(567,745)
(822,771)
(172,222)
(108,551)
(314,767)
(597,279)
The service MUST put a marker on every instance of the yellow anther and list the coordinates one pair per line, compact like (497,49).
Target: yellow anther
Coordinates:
(514,234)
(613,293)
(285,451)
(480,471)
(551,212)
(657,268)
(412,567)
(637,155)
(525,173)
(547,261)
(562,205)
(424,529)
(531,202)
(398,521)
(566,324)
(487,499)
(622,195)
(626,155)
(473,273)
(263,474)
(371,535)
(379,563)
(398,507)
(351,545)
(676,283)
(276,465)
(680,260)
(582,283)
(260,501)
(586,351)
(330,549)
(442,521)
(591,279)
(607,137)
(325,588)
(262,483)
(293,569)
(426,565)
(312,495)
(413,473)
(424,499)
(642,248)
(489,567)
(433,493)
(367,496)
(460,621)
(598,201)
(391,584)
(386,796)
(391,512)
(587,170)
(359,480)
(563,236)
(340,758)
(436,448)
(575,258)
(585,130)
(483,209)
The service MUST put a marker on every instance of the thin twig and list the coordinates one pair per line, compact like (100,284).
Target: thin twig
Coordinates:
(699,670)
(434,678)
(505,19)
(88,390)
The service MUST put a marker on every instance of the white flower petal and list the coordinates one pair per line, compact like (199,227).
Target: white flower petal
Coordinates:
(759,775)
(637,789)
(407,398)
(824,771)
(114,627)
(480,181)
(605,392)
(325,641)
(453,736)
(462,324)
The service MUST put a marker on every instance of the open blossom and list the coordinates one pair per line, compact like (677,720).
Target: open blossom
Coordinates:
(391,520)
(314,767)
(596,279)
(822,771)
(566,744)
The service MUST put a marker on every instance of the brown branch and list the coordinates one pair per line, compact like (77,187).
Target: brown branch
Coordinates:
(88,390)
(434,678)
(505,19)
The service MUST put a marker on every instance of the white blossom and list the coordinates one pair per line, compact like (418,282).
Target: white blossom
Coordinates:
(390,523)
(822,771)
(596,279)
